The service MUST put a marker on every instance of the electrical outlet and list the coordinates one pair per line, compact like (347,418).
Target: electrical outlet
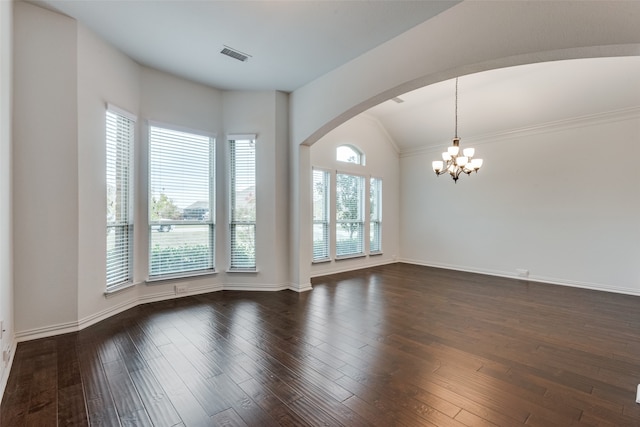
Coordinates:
(638,394)
(522,272)
(181,289)
(6,355)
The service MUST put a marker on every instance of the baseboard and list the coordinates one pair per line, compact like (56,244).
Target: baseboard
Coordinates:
(531,278)
(253,287)
(352,268)
(46,331)
(63,328)
(305,287)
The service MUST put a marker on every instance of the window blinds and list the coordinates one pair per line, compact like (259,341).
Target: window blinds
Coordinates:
(349,215)
(320,215)
(243,202)
(120,130)
(181,201)
(375,208)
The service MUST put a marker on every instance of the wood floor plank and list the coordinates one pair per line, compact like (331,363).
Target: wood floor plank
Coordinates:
(125,396)
(185,403)
(155,401)
(228,418)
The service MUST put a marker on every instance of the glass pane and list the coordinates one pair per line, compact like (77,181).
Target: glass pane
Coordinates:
(118,254)
(349,215)
(320,241)
(180,248)
(349,154)
(243,180)
(181,176)
(320,195)
(243,238)
(349,238)
(119,141)
(243,203)
(181,182)
(375,237)
(375,197)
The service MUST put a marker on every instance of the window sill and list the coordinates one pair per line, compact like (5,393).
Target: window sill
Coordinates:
(154,280)
(375,253)
(340,258)
(321,261)
(242,270)
(118,289)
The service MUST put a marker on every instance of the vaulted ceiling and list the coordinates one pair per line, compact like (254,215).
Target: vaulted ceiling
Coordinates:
(509,99)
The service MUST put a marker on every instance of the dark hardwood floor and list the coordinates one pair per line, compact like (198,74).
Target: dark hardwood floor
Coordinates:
(393,345)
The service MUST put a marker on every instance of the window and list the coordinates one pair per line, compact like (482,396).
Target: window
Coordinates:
(120,128)
(349,154)
(320,215)
(181,203)
(243,201)
(349,215)
(375,209)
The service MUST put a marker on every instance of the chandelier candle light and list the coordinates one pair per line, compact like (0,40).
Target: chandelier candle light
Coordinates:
(453,161)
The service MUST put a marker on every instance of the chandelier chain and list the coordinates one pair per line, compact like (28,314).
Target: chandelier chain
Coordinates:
(456,132)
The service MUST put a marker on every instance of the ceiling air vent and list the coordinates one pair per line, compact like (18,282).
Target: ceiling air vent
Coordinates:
(235,54)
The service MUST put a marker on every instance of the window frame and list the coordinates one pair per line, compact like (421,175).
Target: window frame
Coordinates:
(361,220)
(124,260)
(360,157)
(375,213)
(170,224)
(326,222)
(234,223)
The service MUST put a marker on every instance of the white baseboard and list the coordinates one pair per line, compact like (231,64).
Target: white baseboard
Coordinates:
(300,288)
(325,272)
(531,278)
(63,328)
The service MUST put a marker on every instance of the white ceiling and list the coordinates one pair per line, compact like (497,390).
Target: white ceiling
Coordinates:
(294,42)
(290,42)
(509,99)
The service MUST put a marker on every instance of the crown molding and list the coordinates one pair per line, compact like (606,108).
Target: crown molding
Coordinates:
(554,126)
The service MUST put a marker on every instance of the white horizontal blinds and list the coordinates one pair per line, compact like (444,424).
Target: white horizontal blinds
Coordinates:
(243,202)
(349,215)
(320,215)
(375,207)
(181,194)
(120,130)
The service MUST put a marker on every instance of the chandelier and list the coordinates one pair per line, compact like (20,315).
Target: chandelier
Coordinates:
(454,162)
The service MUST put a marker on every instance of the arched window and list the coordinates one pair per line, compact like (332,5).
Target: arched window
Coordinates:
(349,154)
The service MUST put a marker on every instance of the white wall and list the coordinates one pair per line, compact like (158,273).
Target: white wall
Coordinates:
(6,234)
(382,161)
(431,52)
(45,169)
(265,114)
(104,76)
(65,76)
(561,201)
(173,101)
(62,81)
